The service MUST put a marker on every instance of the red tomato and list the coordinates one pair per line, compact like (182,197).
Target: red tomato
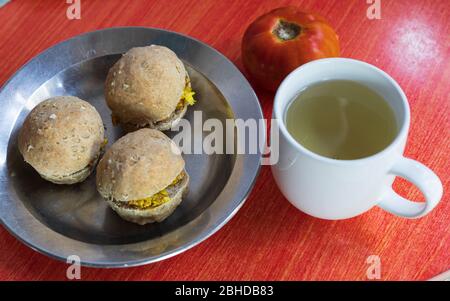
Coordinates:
(278,42)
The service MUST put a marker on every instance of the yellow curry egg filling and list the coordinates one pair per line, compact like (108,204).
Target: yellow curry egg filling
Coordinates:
(157,199)
(186,97)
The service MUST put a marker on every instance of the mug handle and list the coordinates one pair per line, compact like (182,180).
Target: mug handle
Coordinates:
(422,177)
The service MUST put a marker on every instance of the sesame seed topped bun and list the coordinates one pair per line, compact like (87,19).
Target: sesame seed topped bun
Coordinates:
(142,176)
(62,139)
(145,88)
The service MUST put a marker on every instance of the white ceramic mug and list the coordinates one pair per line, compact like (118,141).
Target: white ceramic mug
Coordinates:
(339,189)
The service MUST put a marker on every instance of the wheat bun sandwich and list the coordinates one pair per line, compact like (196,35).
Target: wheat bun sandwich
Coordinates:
(148,87)
(142,176)
(62,139)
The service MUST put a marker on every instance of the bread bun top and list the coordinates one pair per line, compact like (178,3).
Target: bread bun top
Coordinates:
(145,85)
(61,136)
(138,165)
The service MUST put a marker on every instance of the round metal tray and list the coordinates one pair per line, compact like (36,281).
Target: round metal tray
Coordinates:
(63,220)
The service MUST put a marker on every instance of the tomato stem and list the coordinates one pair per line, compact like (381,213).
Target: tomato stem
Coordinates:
(286,30)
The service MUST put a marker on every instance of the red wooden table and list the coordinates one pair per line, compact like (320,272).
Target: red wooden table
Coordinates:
(269,238)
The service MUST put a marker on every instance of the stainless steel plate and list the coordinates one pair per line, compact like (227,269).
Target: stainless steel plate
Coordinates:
(73,220)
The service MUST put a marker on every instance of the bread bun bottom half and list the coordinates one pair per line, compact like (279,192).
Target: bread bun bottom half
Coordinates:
(163,125)
(75,177)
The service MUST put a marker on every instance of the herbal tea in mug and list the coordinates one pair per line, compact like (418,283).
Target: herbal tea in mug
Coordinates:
(341,119)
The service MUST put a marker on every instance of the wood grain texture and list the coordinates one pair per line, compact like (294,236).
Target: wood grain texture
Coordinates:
(268,238)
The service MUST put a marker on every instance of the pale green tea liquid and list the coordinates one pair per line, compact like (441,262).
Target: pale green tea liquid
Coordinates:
(342,120)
